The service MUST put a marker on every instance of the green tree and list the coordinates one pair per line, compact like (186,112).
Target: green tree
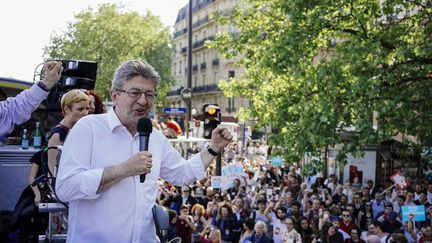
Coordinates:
(111,36)
(317,70)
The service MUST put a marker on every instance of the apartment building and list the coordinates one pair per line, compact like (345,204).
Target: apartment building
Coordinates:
(208,66)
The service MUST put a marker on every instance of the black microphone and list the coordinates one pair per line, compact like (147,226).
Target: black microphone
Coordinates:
(144,128)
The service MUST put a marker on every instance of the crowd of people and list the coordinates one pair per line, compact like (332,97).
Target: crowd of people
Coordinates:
(276,204)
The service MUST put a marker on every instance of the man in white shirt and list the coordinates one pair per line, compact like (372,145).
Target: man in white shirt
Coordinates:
(100,166)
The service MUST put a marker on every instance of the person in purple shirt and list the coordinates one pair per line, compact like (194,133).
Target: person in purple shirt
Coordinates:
(16,110)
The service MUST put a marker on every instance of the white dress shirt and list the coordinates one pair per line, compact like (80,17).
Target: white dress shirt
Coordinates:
(122,213)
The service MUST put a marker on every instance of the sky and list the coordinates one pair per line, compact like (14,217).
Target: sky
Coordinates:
(26,27)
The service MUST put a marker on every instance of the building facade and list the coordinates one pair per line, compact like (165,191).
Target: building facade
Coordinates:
(208,66)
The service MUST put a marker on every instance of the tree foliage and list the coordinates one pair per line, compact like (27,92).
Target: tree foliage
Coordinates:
(110,36)
(317,70)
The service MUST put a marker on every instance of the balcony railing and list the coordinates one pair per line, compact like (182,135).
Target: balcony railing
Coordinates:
(180,32)
(174,92)
(205,88)
(230,109)
(200,43)
(183,50)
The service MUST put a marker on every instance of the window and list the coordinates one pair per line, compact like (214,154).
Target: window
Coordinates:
(231,74)
(204,82)
(180,67)
(214,77)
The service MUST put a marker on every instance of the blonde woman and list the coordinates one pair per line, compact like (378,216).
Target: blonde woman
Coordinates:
(74,104)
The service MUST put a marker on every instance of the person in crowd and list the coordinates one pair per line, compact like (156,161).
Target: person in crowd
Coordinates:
(390,224)
(422,200)
(184,224)
(248,229)
(346,223)
(209,192)
(384,214)
(417,191)
(290,235)
(260,234)
(336,223)
(375,228)
(17,110)
(199,195)
(357,185)
(409,199)
(200,222)
(295,211)
(373,239)
(213,206)
(365,195)
(225,222)
(210,235)
(357,204)
(173,129)
(306,232)
(426,235)
(184,199)
(172,228)
(400,201)
(331,183)
(429,193)
(371,187)
(409,229)
(338,194)
(354,236)
(74,105)
(96,105)
(101,164)
(263,212)
(279,224)
(240,215)
(399,238)
(377,204)
(329,234)
(326,195)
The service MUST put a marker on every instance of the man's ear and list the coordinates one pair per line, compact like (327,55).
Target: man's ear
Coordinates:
(114,96)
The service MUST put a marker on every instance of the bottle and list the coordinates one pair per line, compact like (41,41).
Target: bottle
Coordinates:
(37,137)
(25,140)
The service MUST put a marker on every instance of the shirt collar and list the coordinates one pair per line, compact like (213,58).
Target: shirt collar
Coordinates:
(113,120)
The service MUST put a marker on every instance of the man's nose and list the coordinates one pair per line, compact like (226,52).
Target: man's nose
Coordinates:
(142,99)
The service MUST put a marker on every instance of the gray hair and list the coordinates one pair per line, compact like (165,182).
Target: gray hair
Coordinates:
(132,68)
(259,222)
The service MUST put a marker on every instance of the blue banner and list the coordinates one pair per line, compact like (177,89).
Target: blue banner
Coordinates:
(418,212)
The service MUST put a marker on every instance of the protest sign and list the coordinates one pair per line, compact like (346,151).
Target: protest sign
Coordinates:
(417,211)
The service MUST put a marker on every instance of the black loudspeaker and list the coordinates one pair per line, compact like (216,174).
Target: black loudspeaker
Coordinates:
(69,83)
(77,74)
(78,68)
